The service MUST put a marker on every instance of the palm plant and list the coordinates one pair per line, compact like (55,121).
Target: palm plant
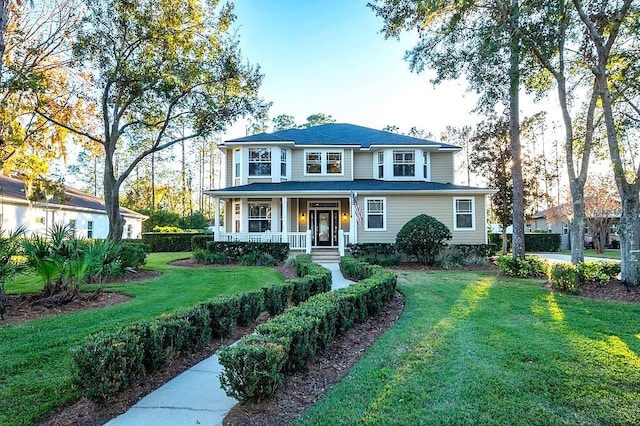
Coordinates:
(9,266)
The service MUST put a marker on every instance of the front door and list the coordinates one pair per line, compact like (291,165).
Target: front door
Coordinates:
(324,228)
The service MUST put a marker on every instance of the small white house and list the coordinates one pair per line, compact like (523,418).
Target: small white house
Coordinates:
(83,213)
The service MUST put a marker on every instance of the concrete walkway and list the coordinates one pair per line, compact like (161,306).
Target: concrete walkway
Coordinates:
(195,396)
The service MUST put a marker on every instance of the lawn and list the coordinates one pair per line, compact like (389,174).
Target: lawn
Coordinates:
(35,368)
(471,348)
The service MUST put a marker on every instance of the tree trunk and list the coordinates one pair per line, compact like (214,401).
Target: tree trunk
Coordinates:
(576,235)
(112,199)
(505,246)
(630,240)
(514,133)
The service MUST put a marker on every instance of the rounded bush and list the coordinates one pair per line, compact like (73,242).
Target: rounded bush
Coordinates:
(423,237)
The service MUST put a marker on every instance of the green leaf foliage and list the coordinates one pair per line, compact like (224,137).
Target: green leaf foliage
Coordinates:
(422,237)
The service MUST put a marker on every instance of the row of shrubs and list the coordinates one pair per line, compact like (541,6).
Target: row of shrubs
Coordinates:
(541,242)
(562,275)
(245,253)
(107,363)
(254,368)
(569,277)
(449,257)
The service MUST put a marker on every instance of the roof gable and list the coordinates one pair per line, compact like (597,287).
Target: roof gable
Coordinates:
(341,134)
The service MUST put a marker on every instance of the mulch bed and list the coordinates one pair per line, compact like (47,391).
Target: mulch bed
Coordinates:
(614,291)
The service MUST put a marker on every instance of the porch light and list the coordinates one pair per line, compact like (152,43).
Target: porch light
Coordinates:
(345,216)
(302,217)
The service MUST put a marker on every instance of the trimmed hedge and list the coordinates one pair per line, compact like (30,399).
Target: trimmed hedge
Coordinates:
(107,363)
(236,249)
(543,242)
(165,241)
(254,367)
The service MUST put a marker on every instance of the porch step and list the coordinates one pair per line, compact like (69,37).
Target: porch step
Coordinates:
(325,255)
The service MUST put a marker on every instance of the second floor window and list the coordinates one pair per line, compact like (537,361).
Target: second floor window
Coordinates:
(321,163)
(404,163)
(283,163)
(425,165)
(380,164)
(260,162)
(314,162)
(237,155)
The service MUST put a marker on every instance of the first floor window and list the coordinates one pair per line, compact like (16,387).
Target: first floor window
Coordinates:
(129,231)
(404,163)
(375,214)
(464,213)
(236,217)
(90,229)
(72,227)
(259,217)
(260,162)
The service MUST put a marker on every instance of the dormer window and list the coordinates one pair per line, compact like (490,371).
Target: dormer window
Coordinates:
(404,163)
(259,161)
(323,162)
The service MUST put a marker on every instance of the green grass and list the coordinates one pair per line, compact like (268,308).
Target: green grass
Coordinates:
(608,253)
(35,367)
(471,348)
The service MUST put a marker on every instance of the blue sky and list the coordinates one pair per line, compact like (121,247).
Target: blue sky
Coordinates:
(329,56)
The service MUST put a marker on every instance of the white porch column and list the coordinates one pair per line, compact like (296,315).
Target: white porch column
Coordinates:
(341,242)
(216,219)
(353,224)
(285,220)
(308,245)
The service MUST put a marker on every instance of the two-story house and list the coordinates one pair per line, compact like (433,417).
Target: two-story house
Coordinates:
(334,184)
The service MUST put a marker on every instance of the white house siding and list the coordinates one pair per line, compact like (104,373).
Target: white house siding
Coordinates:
(400,209)
(38,219)
(228,159)
(442,167)
(363,165)
(298,165)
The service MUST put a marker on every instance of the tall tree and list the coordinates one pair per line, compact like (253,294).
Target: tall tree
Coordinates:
(159,67)
(611,42)
(283,122)
(460,136)
(33,72)
(318,119)
(479,40)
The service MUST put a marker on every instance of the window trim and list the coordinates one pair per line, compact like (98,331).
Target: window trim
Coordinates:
(259,161)
(393,163)
(384,214)
(426,165)
(473,213)
(324,154)
(268,216)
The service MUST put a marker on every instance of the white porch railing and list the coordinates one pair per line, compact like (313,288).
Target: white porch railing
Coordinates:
(297,240)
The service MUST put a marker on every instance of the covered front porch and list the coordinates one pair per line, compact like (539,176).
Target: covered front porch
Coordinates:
(305,223)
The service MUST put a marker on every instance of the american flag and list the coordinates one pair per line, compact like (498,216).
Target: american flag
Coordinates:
(356,208)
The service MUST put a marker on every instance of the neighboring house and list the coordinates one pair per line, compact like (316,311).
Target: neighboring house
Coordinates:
(557,220)
(335,184)
(83,213)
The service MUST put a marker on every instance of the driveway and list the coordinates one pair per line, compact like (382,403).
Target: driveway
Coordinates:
(557,257)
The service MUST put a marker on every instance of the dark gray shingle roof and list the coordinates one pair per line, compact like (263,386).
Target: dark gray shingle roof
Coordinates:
(360,185)
(340,134)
